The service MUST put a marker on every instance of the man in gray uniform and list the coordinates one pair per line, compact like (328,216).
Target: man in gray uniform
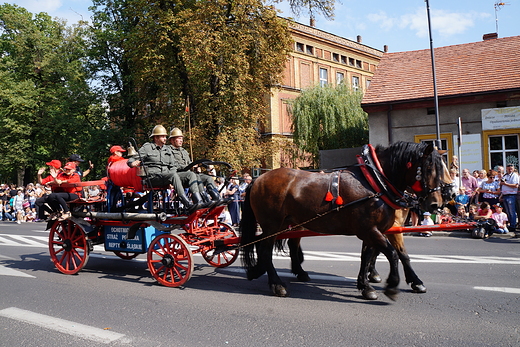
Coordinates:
(182,159)
(161,169)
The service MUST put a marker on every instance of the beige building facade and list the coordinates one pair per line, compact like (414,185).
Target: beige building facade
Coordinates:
(317,58)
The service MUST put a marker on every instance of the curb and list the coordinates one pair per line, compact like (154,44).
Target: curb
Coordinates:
(462,234)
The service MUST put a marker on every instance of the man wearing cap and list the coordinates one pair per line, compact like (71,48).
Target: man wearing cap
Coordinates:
(116,154)
(40,203)
(189,178)
(60,195)
(157,158)
(76,159)
(509,188)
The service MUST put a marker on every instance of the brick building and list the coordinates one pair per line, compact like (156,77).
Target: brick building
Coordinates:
(321,58)
(477,82)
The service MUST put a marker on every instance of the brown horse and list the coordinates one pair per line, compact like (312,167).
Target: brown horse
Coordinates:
(283,198)
(448,192)
(397,240)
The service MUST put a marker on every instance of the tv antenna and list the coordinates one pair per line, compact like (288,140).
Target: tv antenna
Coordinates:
(498,6)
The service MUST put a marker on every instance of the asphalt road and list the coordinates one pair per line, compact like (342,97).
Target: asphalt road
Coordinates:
(472,300)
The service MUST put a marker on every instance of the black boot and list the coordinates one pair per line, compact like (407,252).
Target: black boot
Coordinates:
(197,199)
(190,208)
(215,196)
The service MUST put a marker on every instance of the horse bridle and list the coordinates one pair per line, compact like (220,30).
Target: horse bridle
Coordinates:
(420,188)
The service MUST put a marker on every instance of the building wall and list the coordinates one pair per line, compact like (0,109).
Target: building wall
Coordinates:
(413,124)
(313,50)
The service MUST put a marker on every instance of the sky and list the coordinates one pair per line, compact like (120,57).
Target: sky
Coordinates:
(402,25)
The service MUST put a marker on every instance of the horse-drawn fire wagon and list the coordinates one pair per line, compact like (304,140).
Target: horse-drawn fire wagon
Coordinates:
(151,224)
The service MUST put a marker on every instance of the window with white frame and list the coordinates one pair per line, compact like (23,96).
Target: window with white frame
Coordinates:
(324,77)
(503,150)
(340,76)
(355,82)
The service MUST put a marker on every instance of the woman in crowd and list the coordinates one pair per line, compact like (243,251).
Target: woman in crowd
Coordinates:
(489,190)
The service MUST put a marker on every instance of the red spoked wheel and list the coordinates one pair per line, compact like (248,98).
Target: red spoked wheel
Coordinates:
(170,260)
(126,255)
(68,247)
(227,256)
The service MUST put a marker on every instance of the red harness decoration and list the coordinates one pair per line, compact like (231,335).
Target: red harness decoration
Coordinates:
(333,191)
(374,185)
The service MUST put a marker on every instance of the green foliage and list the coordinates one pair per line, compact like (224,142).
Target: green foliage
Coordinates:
(44,94)
(221,56)
(328,118)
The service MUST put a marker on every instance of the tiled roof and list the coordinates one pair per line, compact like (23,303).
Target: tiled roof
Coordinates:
(485,66)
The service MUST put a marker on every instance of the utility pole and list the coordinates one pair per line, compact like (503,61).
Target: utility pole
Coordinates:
(438,143)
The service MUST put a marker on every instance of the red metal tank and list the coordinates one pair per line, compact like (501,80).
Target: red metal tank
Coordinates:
(124,176)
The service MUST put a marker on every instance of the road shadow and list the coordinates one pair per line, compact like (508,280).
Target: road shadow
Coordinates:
(232,279)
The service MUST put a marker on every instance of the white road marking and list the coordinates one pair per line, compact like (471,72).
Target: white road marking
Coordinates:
(500,289)
(5,271)
(27,240)
(42,241)
(61,325)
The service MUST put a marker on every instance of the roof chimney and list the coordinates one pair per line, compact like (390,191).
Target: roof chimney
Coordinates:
(359,39)
(490,36)
(313,22)
(385,48)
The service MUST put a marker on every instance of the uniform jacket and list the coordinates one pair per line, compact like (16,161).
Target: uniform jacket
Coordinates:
(181,156)
(156,159)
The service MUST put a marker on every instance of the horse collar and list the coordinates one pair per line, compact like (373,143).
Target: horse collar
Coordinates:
(377,179)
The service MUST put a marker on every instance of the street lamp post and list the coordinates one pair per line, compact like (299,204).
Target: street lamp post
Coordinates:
(435,96)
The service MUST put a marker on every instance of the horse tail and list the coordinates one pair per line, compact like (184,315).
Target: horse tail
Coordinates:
(248,232)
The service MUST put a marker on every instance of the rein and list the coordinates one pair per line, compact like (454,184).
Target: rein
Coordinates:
(319,215)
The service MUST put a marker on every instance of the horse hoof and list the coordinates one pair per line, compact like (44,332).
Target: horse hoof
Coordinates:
(303,277)
(375,279)
(418,288)
(369,294)
(392,293)
(279,290)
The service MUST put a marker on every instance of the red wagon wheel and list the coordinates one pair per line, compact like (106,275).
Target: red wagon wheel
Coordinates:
(126,255)
(170,260)
(224,258)
(68,247)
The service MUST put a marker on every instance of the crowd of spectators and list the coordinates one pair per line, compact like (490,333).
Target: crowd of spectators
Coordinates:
(485,194)
(18,203)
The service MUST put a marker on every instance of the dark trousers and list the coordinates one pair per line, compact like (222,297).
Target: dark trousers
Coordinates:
(42,207)
(57,200)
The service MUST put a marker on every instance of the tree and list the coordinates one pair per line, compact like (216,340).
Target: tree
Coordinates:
(46,104)
(219,57)
(328,118)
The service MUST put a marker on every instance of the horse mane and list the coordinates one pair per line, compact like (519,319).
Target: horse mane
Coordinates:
(394,160)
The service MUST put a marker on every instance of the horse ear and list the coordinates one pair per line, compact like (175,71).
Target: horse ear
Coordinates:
(428,150)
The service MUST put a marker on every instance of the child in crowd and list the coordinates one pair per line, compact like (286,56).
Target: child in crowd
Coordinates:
(30,215)
(446,216)
(461,212)
(427,221)
(485,211)
(501,219)
(462,199)
(473,211)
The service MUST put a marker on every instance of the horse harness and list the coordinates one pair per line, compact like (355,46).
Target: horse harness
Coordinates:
(373,173)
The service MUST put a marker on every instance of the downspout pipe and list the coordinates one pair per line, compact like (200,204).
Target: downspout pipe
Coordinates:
(389,124)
